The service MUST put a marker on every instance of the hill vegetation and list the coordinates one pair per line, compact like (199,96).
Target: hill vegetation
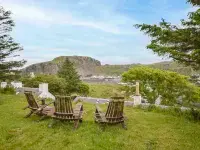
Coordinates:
(87,66)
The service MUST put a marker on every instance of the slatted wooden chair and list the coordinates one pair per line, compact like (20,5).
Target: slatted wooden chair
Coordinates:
(65,112)
(35,108)
(114,113)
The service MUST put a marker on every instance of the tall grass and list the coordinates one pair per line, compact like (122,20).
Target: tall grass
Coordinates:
(191,114)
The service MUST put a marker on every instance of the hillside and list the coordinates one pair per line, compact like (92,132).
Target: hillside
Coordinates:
(88,66)
(173,66)
(84,65)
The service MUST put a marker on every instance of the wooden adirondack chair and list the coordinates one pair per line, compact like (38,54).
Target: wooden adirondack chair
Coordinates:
(114,113)
(35,108)
(65,112)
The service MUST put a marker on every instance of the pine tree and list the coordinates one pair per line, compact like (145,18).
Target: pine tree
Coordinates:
(182,44)
(68,72)
(8,48)
(194,2)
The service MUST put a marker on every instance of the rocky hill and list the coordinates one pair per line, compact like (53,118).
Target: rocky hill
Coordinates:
(84,65)
(87,66)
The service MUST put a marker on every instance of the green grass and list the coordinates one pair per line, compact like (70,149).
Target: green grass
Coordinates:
(146,131)
(102,90)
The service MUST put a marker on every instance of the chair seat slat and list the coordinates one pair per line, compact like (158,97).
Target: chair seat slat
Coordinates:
(65,110)
(113,115)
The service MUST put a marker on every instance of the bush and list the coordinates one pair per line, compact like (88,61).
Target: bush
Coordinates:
(83,89)
(195,114)
(7,90)
(170,85)
(151,108)
(191,114)
(57,85)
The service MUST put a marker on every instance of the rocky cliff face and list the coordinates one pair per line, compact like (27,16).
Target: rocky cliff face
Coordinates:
(84,65)
(42,68)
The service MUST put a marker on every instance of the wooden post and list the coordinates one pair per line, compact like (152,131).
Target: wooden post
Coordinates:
(137,91)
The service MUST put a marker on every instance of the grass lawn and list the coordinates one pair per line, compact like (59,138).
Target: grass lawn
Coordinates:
(146,130)
(102,90)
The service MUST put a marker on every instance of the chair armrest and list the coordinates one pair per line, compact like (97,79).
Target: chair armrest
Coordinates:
(99,114)
(98,109)
(78,110)
(42,107)
(78,106)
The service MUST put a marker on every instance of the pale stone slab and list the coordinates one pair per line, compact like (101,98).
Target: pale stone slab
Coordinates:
(43,88)
(16,84)
(3,84)
(158,100)
(137,100)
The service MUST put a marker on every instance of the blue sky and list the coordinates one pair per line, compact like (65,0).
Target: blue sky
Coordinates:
(102,29)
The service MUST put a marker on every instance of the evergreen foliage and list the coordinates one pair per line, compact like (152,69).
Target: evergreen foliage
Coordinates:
(181,43)
(68,72)
(194,2)
(8,47)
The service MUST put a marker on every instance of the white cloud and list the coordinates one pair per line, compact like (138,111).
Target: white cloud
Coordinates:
(36,15)
(43,49)
(108,21)
(85,43)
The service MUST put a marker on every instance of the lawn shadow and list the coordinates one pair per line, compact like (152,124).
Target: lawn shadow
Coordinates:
(151,144)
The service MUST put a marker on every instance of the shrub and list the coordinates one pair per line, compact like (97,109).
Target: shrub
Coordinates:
(195,114)
(190,114)
(7,90)
(83,89)
(57,85)
(151,107)
(170,85)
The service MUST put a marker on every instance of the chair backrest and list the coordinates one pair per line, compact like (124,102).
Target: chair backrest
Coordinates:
(31,100)
(115,109)
(63,106)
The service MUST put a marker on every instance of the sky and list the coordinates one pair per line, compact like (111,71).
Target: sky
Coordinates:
(101,29)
